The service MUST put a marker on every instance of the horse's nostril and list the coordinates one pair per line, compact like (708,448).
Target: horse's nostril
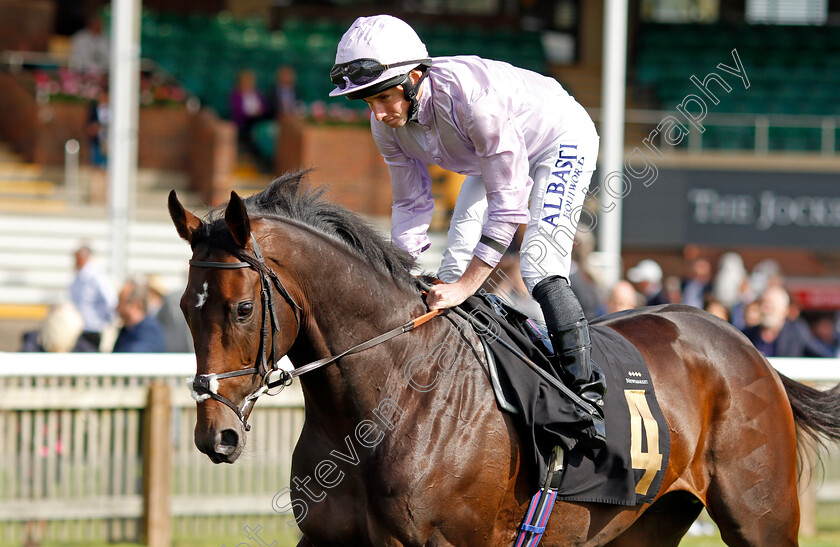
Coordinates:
(228,442)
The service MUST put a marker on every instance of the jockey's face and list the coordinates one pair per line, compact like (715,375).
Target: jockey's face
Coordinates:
(390,106)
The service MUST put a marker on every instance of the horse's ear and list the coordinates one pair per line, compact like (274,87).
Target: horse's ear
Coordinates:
(185,222)
(236,218)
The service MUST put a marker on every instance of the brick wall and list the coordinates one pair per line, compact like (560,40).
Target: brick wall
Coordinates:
(212,157)
(38,131)
(344,158)
(18,113)
(26,25)
(170,138)
(164,139)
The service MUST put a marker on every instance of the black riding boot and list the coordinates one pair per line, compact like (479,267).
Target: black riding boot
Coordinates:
(569,332)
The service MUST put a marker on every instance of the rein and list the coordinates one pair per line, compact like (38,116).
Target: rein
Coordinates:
(206,386)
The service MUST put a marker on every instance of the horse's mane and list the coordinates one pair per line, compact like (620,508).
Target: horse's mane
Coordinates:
(290,197)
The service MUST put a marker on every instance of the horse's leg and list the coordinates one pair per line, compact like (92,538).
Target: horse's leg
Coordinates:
(752,492)
(664,523)
(741,522)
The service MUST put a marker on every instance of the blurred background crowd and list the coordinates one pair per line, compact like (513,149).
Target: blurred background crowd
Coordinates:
(754,300)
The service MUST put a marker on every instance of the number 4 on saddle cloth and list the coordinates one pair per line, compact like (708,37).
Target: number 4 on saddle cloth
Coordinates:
(629,470)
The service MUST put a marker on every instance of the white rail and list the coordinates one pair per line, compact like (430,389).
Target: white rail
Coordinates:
(140,365)
(120,365)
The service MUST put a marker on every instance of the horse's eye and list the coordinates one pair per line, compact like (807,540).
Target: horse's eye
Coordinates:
(245,309)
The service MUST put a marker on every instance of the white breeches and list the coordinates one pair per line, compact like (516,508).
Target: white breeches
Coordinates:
(561,179)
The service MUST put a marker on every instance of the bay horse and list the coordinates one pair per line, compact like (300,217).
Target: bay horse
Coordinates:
(383,462)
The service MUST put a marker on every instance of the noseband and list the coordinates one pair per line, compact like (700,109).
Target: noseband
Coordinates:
(205,386)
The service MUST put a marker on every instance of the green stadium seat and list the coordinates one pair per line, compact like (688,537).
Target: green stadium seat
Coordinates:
(729,138)
(792,70)
(264,135)
(794,139)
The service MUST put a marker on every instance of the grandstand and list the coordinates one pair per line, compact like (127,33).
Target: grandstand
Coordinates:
(792,70)
(205,52)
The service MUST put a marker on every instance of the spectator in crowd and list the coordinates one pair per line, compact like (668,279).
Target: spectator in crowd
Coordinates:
(824,328)
(99,119)
(157,294)
(581,278)
(61,332)
(647,276)
(713,306)
(698,283)
(284,99)
(729,281)
(90,48)
(141,332)
(247,107)
(623,297)
(93,295)
(165,305)
(508,285)
(766,273)
(775,335)
(738,310)
(673,288)
(752,314)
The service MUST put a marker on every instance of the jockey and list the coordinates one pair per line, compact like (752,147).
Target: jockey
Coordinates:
(518,136)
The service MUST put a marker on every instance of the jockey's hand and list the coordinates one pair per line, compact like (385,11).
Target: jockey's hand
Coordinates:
(447,295)
(451,294)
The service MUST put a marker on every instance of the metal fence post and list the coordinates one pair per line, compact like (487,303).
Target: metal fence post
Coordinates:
(157,467)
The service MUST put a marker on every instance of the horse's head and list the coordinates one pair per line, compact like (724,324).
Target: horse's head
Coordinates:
(242,320)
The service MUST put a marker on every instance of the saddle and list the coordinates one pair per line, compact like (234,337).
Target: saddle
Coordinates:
(629,470)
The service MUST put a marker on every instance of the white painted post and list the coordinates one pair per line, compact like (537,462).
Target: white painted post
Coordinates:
(612,131)
(122,140)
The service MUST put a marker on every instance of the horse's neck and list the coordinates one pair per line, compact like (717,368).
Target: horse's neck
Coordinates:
(342,309)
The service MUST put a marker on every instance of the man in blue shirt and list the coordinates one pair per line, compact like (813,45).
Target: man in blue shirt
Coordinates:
(93,295)
(776,336)
(141,332)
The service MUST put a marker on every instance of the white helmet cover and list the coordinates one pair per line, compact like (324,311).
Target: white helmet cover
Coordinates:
(384,38)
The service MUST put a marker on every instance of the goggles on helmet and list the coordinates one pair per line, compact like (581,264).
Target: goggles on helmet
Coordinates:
(363,71)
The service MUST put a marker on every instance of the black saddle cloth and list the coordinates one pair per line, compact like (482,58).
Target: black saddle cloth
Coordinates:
(630,469)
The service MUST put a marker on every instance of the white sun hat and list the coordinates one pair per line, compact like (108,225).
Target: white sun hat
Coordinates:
(382,38)
(646,270)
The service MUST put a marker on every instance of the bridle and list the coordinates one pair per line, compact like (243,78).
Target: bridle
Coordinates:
(206,386)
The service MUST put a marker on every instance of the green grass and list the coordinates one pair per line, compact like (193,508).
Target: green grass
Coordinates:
(828,522)
(826,539)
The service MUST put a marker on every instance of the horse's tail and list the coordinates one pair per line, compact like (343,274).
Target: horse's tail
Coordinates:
(816,413)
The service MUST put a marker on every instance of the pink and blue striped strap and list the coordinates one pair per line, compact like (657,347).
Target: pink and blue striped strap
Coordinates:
(530,534)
